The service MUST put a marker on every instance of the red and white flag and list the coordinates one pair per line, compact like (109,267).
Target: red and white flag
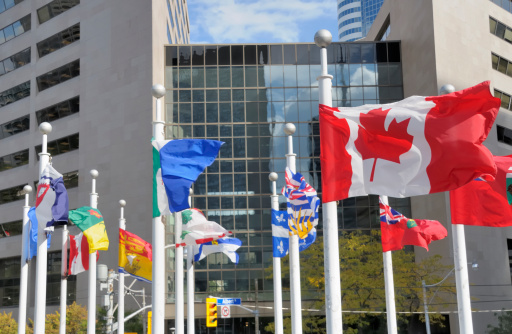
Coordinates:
(79,254)
(420,145)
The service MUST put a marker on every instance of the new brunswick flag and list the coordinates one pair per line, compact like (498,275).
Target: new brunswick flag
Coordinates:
(90,222)
(135,256)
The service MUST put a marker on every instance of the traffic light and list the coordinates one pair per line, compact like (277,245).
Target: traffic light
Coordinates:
(211,312)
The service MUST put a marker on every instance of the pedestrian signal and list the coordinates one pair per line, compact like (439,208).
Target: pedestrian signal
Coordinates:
(211,312)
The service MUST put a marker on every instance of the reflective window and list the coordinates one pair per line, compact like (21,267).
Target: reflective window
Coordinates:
(505,4)
(15,61)
(13,160)
(500,29)
(54,8)
(11,229)
(15,126)
(504,134)
(11,194)
(59,40)
(14,94)
(58,75)
(61,145)
(504,97)
(6,4)
(59,110)
(15,29)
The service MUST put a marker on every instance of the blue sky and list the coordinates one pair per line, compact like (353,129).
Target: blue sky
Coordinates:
(260,21)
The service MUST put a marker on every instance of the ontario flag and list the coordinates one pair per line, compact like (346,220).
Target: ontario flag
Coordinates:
(420,145)
(485,203)
(398,230)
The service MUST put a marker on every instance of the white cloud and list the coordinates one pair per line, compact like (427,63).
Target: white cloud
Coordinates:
(237,21)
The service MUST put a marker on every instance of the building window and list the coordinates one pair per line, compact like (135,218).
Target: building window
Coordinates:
(59,40)
(15,61)
(59,110)
(15,29)
(14,94)
(501,30)
(13,160)
(6,4)
(169,39)
(15,126)
(504,134)
(54,8)
(61,145)
(11,194)
(349,11)
(11,229)
(501,64)
(350,31)
(505,4)
(10,281)
(58,75)
(504,97)
(70,180)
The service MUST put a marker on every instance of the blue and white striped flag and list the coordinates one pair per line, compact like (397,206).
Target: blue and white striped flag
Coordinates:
(302,206)
(280,233)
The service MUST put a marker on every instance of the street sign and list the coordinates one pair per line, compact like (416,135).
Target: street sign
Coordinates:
(225,311)
(229,301)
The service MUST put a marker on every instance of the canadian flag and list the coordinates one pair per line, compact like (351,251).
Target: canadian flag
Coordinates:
(416,146)
(79,254)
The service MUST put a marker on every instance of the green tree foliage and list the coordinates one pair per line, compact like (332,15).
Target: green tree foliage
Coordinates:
(76,320)
(362,284)
(504,324)
(7,324)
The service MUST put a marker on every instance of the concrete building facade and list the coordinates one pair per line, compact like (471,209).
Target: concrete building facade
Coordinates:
(460,44)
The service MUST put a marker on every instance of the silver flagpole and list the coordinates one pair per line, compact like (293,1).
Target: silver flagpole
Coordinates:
(389,286)
(63,280)
(120,301)
(91,302)
(278,291)
(25,244)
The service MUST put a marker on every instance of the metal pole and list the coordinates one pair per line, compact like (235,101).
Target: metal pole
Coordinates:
(91,302)
(323,39)
(120,301)
(425,306)
(64,280)
(190,282)
(256,311)
(110,293)
(42,244)
(278,291)
(389,287)
(295,292)
(158,236)
(180,302)
(22,315)
(461,262)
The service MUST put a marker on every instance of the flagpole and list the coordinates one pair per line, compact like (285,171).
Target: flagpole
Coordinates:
(460,260)
(389,286)
(295,292)
(190,282)
(42,245)
(323,39)
(158,236)
(63,280)
(179,300)
(120,300)
(278,293)
(91,302)
(22,315)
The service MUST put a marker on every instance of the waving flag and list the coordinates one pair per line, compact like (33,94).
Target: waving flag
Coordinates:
(198,230)
(302,208)
(78,254)
(160,201)
(135,256)
(52,203)
(181,161)
(90,222)
(32,235)
(398,230)
(416,146)
(485,203)
(280,233)
(227,246)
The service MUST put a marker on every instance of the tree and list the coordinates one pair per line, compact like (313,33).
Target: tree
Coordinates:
(362,284)
(76,320)
(504,324)
(9,326)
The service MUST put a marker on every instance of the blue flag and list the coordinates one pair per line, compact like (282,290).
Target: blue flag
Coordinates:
(32,235)
(302,207)
(182,161)
(280,233)
(52,204)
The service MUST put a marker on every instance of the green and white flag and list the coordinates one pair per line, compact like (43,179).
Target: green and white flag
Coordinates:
(160,202)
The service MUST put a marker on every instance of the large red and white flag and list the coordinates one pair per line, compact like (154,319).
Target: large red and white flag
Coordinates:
(79,254)
(416,146)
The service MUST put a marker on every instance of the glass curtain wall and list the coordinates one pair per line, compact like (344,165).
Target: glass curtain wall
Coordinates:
(243,95)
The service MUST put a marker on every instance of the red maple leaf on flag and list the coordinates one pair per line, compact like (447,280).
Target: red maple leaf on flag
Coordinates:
(375,142)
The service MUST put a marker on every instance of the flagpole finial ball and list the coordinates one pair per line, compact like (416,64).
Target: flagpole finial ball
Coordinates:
(323,38)
(273,176)
(158,91)
(45,128)
(446,89)
(122,203)
(289,129)
(191,191)
(94,173)
(27,189)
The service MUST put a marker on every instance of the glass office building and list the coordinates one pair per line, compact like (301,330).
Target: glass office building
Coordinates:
(243,95)
(355,17)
